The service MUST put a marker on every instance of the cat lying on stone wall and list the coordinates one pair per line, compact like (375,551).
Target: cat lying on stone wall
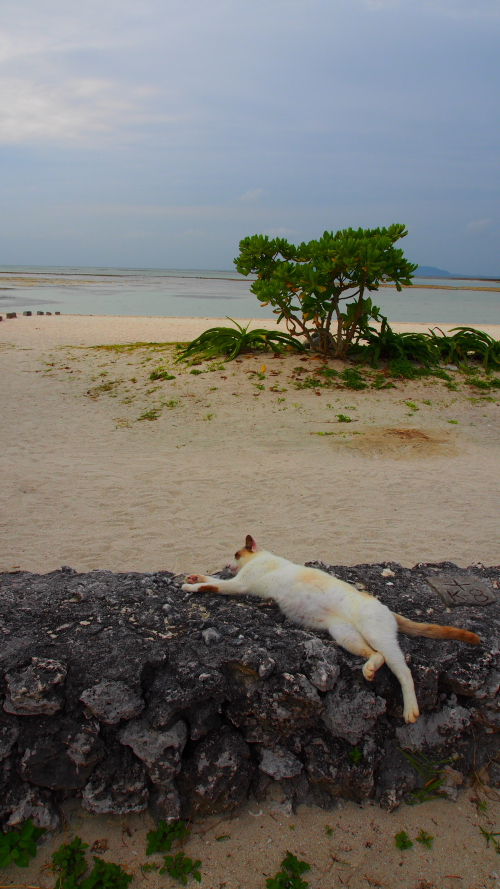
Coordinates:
(315,599)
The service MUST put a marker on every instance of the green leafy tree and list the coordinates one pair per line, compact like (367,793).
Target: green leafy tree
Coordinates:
(322,289)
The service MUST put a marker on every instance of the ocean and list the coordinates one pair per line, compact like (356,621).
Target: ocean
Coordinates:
(211,293)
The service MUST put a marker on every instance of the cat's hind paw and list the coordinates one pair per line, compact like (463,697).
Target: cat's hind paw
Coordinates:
(371,666)
(369,672)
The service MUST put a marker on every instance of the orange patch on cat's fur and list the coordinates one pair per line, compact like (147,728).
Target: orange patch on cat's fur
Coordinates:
(208,588)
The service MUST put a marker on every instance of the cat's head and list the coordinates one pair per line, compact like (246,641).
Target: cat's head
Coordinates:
(244,555)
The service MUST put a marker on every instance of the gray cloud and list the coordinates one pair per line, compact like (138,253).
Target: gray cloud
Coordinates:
(125,123)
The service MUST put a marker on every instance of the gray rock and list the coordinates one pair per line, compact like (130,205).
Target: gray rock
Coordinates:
(29,802)
(9,733)
(494,774)
(432,732)
(112,701)
(279,763)
(36,689)
(63,760)
(161,751)
(165,804)
(351,712)
(118,785)
(218,777)
(211,636)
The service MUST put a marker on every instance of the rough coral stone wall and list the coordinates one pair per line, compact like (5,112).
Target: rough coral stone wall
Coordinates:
(124,691)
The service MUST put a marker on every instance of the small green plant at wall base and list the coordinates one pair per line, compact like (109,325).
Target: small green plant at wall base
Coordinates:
(289,877)
(180,868)
(149,866)
(491,837)
(19,846)
(106,875)
(403,841)
(161,839)
(328,830)
(343,419)
(430,771)
(69,861)
(425,839)
(196,372)
(355,755)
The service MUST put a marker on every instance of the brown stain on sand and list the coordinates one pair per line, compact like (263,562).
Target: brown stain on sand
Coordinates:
(402,443)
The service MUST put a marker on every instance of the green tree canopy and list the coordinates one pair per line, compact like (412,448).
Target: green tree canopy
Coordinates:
(326,283)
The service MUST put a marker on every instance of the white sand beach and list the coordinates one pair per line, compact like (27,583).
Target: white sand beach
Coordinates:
(86,484)
(103,467)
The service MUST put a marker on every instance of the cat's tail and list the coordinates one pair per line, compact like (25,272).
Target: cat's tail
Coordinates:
(434,631)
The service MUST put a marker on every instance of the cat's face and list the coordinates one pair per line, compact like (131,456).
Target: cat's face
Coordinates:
(242,556)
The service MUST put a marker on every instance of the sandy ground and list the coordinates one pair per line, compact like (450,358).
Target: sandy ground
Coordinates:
(88,483)
(103,467)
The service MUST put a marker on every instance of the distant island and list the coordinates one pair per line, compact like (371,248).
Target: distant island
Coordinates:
(430,271)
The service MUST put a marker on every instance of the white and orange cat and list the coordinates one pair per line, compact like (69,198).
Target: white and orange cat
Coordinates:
(315,599)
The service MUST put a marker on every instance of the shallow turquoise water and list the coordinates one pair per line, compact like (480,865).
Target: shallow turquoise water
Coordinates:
(192,293)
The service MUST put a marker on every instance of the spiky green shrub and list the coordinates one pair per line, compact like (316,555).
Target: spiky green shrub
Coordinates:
(230,341)
(385,343)
(462,344)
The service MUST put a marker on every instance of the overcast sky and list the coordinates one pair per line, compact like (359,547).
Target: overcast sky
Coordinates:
(157,133)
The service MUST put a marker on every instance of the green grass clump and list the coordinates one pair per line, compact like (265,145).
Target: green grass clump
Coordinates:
(152,414)
(132,347)
(290,875)
(328,372)
(403,841)
(161,839)
(161,374)
(353,379)
(106,875)
(69,860)
(491,838)
(18,846)
(430,771)
(425,839)
(180,867)
(355,755)
(310,383)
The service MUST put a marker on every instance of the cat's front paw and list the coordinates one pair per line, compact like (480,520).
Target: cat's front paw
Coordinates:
(411,714)
(196,578)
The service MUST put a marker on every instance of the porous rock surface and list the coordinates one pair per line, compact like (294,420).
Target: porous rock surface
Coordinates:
(128,693)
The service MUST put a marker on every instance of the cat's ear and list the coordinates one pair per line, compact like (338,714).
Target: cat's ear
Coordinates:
(250,544)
